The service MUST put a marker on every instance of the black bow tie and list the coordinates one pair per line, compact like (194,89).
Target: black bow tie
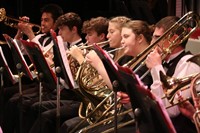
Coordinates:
(41,39)
(166,65)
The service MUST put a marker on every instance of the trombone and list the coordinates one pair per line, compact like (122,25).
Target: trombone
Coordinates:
(12,22)
(181,24)
(173,85)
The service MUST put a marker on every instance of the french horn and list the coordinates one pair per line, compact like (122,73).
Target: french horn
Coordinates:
(100,97)
(139,61)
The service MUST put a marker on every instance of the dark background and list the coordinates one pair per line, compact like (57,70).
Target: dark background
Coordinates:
(137,9)
(148,10)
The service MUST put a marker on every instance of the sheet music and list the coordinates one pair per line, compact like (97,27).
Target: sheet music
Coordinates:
(36,56)
(65,60)
(17,43)
(6,67)
(18,56)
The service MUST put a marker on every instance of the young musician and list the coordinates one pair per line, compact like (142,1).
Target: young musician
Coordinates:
(49,15)
(69,26)
(136,36)
(96,30)
(114,37)
(177,67)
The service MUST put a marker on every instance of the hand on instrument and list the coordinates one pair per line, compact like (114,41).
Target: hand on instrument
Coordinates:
(76,53)
(25,27)
(185,107)
(20,32)
(94,60)
(153,59)
(124,98)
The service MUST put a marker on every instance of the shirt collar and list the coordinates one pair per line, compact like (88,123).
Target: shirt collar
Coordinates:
(75,42)
(174,56)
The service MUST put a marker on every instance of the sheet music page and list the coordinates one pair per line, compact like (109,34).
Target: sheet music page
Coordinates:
(65,60)
(13,78)
(17,43)
(36,56)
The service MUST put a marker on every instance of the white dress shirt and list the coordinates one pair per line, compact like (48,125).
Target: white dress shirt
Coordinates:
(182,69)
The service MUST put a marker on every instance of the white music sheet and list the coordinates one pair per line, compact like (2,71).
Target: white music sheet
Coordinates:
(65,60)
(13,78)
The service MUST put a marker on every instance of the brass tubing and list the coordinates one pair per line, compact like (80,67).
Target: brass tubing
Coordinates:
(91,113)
(99,44)
(103,121)
(13,24)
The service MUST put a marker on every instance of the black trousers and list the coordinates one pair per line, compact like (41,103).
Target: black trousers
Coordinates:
(46,122)
(13,107)
(7,92)
(183,125)
(21,106)
(70,124)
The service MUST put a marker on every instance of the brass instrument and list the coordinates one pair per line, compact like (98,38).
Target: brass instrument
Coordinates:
(73,63)
(181,24)
(12,22)
(44,53)
(94,88)
(173,85)
(109,119)
(167,36)
(3,42)
(196,100)
(100,98)
(101,44)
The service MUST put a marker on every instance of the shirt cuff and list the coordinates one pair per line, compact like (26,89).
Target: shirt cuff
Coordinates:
(155,72)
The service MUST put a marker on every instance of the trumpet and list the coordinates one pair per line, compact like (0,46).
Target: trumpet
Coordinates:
(12,22)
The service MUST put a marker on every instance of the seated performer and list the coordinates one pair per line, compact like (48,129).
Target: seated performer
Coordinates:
(177,66)
(131,39)
(49,14)
(96,31)
(69,26)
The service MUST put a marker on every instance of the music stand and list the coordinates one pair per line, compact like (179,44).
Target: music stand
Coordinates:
(45,73)
(4,72)
(39,62)
(21,66)
(62,71)
(150,115)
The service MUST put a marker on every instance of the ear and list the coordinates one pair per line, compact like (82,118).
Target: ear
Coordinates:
(74,29)
(102,36)
(140,38)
